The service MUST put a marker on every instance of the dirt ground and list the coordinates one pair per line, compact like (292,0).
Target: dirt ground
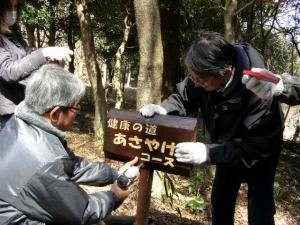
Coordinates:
(287,185)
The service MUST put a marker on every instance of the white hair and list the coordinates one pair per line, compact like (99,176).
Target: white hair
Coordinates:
(51,86)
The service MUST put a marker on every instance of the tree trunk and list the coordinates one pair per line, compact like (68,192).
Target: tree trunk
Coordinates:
(171,45)
(128,73)
(230,8)
(30,35)
(52,34)
(149,85)
(250,18)
(38,37)
(52,28)
(87,39)
(71,37)
(118,77)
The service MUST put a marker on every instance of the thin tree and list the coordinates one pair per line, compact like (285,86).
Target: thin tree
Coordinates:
(87,39)
(170,27)
(119,78)
(149,85)
(230,8)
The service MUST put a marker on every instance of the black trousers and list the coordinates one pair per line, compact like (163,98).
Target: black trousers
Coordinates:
(260,180)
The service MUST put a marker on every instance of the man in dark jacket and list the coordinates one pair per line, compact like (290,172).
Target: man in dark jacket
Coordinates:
(40,175)
(245,131)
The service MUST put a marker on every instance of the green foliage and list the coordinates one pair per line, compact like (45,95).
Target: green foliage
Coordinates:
(194,15)
(170,189)
(199,186)
(268,29)
(108,23)
(197,15)
(197,203)
(200,183)
(280,55)
(36,16)
(197,181)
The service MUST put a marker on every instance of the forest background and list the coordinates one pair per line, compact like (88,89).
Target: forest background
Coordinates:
(129,53)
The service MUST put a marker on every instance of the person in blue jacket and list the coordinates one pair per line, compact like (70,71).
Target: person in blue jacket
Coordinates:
(245,131)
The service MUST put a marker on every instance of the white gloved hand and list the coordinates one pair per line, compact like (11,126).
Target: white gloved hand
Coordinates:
(149,110)
(263,89)
(191,152)
(57,53)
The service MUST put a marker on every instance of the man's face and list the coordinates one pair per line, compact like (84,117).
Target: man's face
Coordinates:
(209,82)
(67,116)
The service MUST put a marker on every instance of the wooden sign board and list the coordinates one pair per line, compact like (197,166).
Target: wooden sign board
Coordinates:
(153,140)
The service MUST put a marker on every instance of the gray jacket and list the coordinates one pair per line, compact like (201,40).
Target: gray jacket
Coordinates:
(40,176)
(16,64)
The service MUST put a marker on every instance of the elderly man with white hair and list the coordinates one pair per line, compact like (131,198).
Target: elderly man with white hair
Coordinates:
(40,175)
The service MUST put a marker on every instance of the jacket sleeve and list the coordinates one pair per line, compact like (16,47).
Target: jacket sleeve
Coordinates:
(92,173)
(291,92)
(178,103)
(13,69)
(51,198)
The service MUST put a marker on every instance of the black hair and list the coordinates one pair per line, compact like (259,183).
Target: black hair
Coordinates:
(209,54)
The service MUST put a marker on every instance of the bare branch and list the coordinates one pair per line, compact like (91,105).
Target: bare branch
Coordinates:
(244,7)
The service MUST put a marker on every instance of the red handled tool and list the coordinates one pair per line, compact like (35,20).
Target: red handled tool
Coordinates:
(263,75)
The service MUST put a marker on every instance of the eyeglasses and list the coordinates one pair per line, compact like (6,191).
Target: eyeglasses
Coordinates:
(71,108)
(67,108)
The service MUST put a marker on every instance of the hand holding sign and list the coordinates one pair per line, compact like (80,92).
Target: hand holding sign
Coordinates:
(191,152)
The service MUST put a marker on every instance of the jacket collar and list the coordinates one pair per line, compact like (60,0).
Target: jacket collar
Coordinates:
(23,112)
(234,86)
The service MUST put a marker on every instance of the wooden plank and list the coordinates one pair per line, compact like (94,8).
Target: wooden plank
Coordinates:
(153,140)
(144,197)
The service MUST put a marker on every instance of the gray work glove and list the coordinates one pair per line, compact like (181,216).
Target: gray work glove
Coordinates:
(60,54)
(263,89)
(149,110)
(191,152)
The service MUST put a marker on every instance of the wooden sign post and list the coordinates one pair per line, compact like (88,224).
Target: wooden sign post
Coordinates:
(153,140)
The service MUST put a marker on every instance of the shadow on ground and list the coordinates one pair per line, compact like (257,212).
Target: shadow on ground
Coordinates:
(287,180)
(165,218)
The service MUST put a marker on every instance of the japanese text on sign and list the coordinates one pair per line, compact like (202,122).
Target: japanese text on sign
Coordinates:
(136,143)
